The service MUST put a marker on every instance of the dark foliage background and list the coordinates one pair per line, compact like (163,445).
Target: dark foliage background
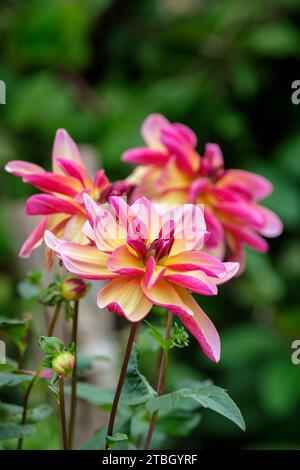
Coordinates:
(224,68)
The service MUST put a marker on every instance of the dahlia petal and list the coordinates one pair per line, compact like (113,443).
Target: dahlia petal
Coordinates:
(243,212)
(44,204)
(272,225)
(108,233)
(215,229)
(187,158)
(200,326)
(121,209)
(154,272)
(125,296)
(122,261)
(64,147)
(145,156)
(35,239)
(171,178)
(196,281)
(53,183)
(85,261)
(148,217)
(22,168)
(248,237)
(232,269)
(100,180)
(76,171)
(249,184)
(196,260)
(164,294)
(151,130)
(92,209)
(73,230)
(190,227)
(197,187)
(186,133)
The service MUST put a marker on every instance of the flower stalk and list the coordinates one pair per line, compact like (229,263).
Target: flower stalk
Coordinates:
(62,412)
(110,428)
(74,376)
(54,319)
(26,403)
(161,380)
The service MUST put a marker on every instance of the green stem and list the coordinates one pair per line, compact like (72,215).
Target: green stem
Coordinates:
(161,381)
(26,402)
(74,377)
(62,412)
(114,409)
(54,319)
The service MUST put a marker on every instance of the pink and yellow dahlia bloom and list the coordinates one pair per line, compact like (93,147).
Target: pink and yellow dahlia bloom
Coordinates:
(150,256)
(61,204)
(171,170)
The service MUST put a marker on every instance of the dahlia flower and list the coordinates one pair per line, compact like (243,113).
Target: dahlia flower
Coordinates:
(61,204)
(150,255)
(171,170)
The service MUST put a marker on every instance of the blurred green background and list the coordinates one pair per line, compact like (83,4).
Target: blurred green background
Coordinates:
(225,68)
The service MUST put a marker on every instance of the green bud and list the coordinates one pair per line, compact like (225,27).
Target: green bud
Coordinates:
(63,364)
(73,288)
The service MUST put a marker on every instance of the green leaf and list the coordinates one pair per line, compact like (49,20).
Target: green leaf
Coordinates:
(93,394)
(212,397)
(178,423)
(166,344)
(51,345)
(96,441)
(13,430)
(16,330)
(13,413)
(39,413)
(117,437)
(10,379)
(136,388)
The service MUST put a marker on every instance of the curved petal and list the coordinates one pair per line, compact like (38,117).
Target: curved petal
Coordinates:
(145,156)
(196,260)
(215,229)
(100,180)
(187,158)
(248,237)
(248,184)
(44,204)
(92,208)
(196,281)
(85,261)
(73,230)
(171,179)
(75,170)
(190,227)
(242,212)
(64,147)
(164,294)
(35,239)
(272,225)
(232,269)
(125,296)
(53,183)
(108,233)
(186,133)
(151,130)
(122,261)
(22,168)
(200,326)
(154,272)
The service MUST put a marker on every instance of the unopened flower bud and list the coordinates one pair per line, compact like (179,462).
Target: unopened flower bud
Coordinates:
(73,288)
(63,364)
